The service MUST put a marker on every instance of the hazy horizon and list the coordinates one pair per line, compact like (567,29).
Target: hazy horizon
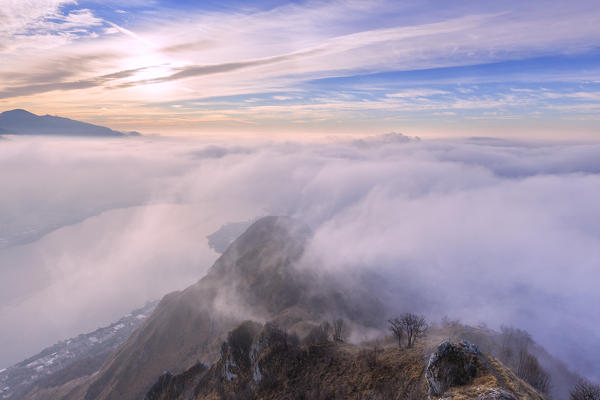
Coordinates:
(283,69)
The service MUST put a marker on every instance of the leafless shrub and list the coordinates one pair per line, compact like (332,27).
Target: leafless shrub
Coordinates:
(415,327)
(449,323)
(370,356)
(339,330)
(326,327)
(513,343)
(279,338)
(397,329)
(585,390)
(530,371)
(412,326)
(318,335)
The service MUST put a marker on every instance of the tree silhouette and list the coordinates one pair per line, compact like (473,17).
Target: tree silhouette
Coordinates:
(585,390)
(411,325)
(339,330)
(397,329)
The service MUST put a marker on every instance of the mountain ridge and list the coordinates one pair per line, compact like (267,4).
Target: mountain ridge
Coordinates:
(23,122)
(257,277)
(262,277)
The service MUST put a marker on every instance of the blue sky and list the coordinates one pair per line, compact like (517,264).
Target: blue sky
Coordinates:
(272,68)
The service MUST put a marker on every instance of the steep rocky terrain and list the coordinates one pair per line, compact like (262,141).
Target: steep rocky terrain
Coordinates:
(196,344)
(255,278)
(266,363)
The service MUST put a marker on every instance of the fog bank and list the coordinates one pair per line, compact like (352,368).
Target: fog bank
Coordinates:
(482,230)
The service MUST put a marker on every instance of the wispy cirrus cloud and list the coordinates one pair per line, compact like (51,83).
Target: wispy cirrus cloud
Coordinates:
(412,93)
(40,24)
(290,48)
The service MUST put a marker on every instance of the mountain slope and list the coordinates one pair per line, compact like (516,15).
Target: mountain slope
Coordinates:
(21,122)
(257,277)
(275,366)
(69,359)
(262,277)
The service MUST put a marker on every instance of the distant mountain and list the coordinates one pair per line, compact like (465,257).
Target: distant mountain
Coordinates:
(22,122)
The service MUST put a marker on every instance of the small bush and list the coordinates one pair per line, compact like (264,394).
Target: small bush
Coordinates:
(339,330)
(317,335)
(369,357)
(585,390)
(530,370)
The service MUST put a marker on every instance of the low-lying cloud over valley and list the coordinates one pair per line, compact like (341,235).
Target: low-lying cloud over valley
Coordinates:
(484,230)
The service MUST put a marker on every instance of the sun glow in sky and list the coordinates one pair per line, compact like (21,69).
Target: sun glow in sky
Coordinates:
(429,68)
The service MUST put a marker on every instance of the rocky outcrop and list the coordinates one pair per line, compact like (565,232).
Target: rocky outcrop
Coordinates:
(494,394)
(271,364)
(253,354)
(452,364)
(169,386)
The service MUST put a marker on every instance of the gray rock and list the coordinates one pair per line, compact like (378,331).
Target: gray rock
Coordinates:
(452,364)
(494,394)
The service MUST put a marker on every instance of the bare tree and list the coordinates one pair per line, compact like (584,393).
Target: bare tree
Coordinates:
(585,390)
(414,326)
(513,342)
(326,327)
(530,371)
(339,330)
(397,329)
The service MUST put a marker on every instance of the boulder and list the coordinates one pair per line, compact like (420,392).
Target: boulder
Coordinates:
(452,364)
(494,394)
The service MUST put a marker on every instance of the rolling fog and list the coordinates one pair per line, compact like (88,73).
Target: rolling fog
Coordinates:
(483,230)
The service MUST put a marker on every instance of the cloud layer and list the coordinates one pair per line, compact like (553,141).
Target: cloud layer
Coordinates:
(483,230)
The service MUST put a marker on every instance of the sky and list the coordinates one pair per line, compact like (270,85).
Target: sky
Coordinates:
(305,69)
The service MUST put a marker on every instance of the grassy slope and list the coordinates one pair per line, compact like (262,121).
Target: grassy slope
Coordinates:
(344,371)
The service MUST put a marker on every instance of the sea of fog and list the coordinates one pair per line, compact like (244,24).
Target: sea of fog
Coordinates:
(482,230)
